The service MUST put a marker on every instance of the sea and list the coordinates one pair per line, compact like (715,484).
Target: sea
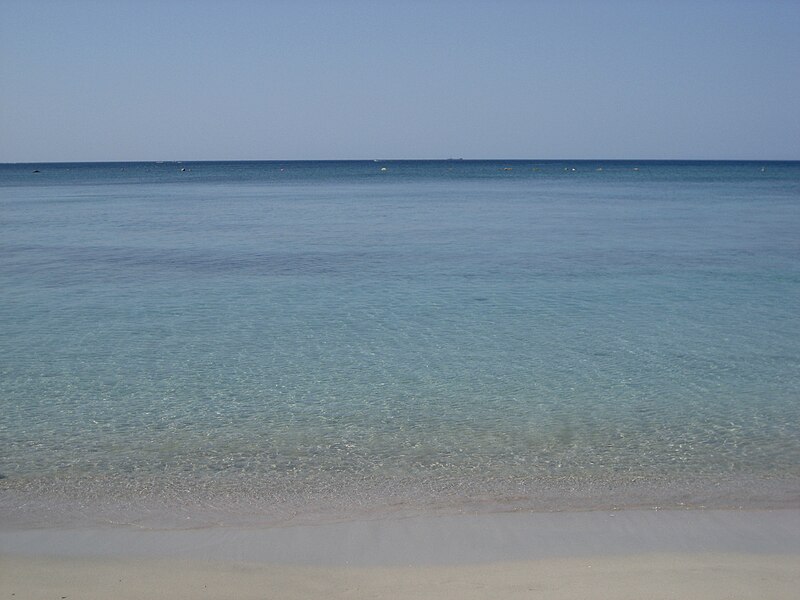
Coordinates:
(206,343)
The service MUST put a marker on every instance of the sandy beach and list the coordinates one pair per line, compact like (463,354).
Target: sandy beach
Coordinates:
(654,576)
(623,554)
(362,300)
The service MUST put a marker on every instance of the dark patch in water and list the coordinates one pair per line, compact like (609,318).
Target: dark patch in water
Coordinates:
(120,260)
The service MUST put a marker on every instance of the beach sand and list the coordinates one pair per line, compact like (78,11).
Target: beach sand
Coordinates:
(688,576)
(624,554)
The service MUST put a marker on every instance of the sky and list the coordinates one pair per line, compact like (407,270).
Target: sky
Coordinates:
(291,80)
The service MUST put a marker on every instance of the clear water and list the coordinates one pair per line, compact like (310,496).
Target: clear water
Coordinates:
(288,339)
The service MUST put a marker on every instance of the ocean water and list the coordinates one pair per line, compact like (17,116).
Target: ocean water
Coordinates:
(269,341)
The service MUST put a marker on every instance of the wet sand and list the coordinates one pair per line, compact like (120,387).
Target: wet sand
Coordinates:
(624,554)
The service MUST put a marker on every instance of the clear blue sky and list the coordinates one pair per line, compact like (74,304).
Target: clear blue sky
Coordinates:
(170,80)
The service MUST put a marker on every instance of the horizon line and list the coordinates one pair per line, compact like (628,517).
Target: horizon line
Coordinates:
(380,160)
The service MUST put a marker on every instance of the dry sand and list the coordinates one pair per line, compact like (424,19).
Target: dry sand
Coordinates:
(684,577)
(627,554)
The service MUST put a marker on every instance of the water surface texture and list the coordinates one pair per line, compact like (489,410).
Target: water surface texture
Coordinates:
(283,340)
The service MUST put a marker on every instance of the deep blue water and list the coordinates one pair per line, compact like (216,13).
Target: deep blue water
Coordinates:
(291,335)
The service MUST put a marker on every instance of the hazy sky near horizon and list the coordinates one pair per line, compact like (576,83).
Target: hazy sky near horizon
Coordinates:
(240,80)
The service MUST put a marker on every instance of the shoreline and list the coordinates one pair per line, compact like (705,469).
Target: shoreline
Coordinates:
(432,539)
(187,504)
(704,554)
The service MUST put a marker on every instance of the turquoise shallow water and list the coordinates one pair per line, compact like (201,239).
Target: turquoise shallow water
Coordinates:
(288,339)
